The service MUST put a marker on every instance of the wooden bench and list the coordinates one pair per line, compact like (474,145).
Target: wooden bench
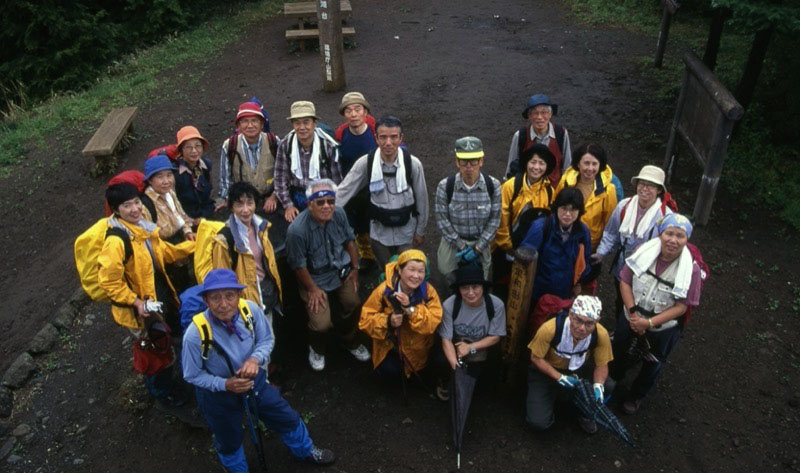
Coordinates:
(306,15)
(309,9)
(106,140)
(314,33)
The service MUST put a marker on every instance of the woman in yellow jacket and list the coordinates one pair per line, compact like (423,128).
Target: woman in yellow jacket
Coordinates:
(130,279)
(530,189)
(401,315)
(244,247)
(591,174)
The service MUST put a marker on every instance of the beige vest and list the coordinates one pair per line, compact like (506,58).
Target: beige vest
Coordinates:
(650,294)
(261,177)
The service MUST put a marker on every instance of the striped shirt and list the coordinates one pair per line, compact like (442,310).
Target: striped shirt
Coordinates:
(472,214)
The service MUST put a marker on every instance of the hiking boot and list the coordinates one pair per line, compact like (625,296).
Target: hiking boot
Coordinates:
(184,413)
(316,360)
(631,406)
(588,425)
(360,352)
(321,456)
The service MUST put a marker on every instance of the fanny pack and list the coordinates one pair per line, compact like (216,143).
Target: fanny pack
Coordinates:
(298,197)
(393,217)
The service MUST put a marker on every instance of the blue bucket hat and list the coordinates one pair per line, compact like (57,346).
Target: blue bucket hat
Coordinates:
(220,279)
(536,100)
(156,164)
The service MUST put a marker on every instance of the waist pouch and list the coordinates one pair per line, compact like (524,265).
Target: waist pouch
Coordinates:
(298,197)
(392,217)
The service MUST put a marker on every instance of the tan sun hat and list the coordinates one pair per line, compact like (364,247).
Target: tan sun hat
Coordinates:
(302,109)
(652,174)
(352,98)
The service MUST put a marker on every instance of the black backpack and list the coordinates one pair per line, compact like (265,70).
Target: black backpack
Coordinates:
(150,206)
(380,214)
(529,214)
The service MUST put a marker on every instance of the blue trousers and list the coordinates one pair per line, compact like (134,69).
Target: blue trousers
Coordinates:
(661,345)
(223,412)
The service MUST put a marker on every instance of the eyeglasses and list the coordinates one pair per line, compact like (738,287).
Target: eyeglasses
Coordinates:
(589,324)
(647,185)
(539,113)
(469,162)
(193,147)
(321,202)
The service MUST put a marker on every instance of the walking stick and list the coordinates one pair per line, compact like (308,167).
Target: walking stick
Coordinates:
(247,399)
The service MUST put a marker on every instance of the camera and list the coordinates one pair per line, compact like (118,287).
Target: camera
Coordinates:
(153,307)
(344,272)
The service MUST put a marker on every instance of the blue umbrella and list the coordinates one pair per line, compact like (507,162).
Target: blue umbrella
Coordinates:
(583,399)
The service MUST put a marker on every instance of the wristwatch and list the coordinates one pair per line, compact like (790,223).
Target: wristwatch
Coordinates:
(409,310)
(472,350)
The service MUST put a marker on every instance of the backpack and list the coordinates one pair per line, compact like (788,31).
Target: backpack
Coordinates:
(705,272)
(207,231)
(206,334)
(233,150)
(87,247)
(450,186)
(561,317)
(487,299)
(148,203)
(369,120)
(170,151)
(131,176)
(529,214)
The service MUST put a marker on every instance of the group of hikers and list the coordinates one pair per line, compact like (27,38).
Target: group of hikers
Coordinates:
(354,197)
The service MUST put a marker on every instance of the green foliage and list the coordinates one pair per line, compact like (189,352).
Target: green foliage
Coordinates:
(754,15)
(54,46)
(138,79)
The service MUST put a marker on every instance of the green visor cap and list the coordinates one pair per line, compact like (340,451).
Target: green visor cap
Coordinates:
(469,147)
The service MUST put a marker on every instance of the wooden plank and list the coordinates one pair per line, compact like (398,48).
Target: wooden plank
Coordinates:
(107,137)
(314,33)
(309,9)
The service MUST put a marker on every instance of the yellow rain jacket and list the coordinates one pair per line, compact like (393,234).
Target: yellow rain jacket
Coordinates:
(124,282)
(599,207)
(246,272)
(536,194)
(414,337)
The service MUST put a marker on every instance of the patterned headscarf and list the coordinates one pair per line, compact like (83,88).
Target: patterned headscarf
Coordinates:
(677,221)
(587,306)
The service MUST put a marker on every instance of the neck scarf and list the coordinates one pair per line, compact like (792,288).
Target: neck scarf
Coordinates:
(628,225)
(574,352)
(376,183)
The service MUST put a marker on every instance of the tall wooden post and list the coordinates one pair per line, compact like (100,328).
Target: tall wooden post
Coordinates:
(518,305)
(669,7)
(331,46)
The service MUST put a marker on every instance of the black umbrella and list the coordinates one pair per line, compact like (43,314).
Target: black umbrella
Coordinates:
(462,387)
(583,399)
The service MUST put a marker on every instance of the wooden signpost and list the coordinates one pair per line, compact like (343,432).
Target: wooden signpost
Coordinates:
(518,306)
(669,8)
(704,119)
(331,47)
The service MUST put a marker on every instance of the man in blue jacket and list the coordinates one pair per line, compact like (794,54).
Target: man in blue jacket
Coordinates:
(225,364)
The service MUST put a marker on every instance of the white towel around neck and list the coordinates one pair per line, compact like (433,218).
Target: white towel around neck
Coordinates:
(376,183)
(313,165)
(575,352)
(628,224)
(646,255)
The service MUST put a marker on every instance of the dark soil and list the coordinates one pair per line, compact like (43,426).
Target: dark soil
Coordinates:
(728,401)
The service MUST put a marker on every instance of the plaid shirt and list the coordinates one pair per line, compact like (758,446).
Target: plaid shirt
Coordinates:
(284,179)
(471,215)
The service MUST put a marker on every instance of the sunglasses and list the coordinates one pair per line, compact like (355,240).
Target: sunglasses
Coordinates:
(321,202)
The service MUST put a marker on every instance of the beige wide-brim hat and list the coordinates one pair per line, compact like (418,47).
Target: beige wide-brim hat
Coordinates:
(652,174)
(302,109)
(353,98)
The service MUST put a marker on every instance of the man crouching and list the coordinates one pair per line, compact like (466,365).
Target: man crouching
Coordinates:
(224,363)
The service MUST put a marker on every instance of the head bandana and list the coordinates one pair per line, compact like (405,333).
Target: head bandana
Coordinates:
(678,221)
(587,306)
(410,255)
(322,193)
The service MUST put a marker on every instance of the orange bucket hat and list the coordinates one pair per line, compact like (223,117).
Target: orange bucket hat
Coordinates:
(189,132)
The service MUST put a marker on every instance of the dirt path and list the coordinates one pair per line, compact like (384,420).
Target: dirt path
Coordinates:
(728,401)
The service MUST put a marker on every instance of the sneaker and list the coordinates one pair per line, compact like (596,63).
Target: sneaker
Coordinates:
(631,406)
(588,425)
(360,352)
(321,456)
(316,360)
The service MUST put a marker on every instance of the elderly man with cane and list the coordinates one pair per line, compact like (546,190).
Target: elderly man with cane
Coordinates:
(224,350)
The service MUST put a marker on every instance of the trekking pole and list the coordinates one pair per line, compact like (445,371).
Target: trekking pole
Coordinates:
(255,436)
